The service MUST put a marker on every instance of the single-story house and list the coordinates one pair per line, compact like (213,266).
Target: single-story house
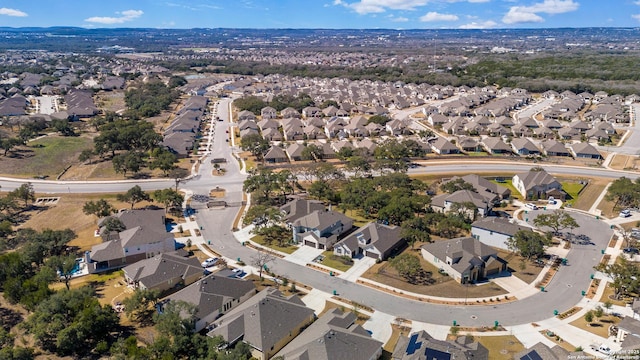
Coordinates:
(464,259)
(584,150)
(163,272)
(421,346)
(266,322)
(448,202)
(213,295)
(373,240)
(494,231)
(335,335)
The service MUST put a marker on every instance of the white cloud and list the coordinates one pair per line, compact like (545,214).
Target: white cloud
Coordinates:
(636,16)
(125,16)
(12,12)
(434,16)
(399,19)
(524,14)
(479,25)
(378,6)
(637,2)
(515,16)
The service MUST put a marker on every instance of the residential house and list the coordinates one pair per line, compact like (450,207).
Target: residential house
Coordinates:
(459,201)
(482,186)
(268,113)
(213,295)
(321,229)
(266,322)
(275,155)
(421,346)
(629,335)
(464,259)
(469,144)
(524,146)
(335,335)
(542,351)
(537,184)
(554,148)
(145,236)
(297,208)
(584,151)
(495,232)
(294,151)
(495,145)
(374,240)
(163,272)
(443,146)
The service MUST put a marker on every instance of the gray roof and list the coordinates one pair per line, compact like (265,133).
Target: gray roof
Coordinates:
(543,352)
(212,292)
(415,348)
(524,143)
(263,320)
(483,185)
(463,196)
(298,208)
(321,219)
(275,153)
(382,237)
(531,179)
(463,252)
(161,268)
(584,148)
(333,336)
(498,225)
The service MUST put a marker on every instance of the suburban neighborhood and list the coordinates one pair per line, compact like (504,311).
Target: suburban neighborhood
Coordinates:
(152,209)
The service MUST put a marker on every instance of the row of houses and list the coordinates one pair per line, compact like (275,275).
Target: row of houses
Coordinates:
(180,136)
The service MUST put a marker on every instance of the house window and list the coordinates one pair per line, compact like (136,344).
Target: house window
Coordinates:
(339,251)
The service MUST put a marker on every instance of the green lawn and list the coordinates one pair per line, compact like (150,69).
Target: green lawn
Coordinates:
(572,189)
(288,249)
(47,156)
(515,194)
(358,220)
(333,261)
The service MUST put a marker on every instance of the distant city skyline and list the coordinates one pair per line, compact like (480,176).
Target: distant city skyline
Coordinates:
(333,14)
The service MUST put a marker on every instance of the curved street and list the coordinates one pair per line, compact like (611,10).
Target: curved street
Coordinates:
(561,294)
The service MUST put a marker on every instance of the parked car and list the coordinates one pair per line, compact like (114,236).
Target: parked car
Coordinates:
(210,262)
(551,201)
(531,206)
(625,213)
(630,250)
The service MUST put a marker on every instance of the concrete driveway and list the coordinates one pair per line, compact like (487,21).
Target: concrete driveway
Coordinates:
(360,266)
(304,255)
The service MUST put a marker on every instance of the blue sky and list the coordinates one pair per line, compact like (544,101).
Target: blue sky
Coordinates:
(394,14)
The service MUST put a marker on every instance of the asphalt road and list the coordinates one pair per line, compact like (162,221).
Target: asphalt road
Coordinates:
(561,294)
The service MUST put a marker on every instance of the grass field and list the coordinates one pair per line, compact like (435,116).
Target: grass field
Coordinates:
(288,249)
(598,327)
(68,214)
(45,157)
(590,194)
(572,189)
(501,347)
(508,183)
(331,261)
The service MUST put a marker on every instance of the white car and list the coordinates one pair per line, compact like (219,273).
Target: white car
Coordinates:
(531,206)
(625,213)
(209,262)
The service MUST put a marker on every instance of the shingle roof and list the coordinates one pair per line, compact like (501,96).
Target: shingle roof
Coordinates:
(333,336)
(498,225)
(320,219)
(464,252)
(210,293)
(263,320)
(161,268)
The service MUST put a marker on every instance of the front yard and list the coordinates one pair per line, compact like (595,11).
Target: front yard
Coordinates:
(573,189)
(337,262)
(432,282)
(286,248)
(527,273)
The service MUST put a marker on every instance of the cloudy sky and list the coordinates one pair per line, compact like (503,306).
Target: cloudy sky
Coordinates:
(392,14)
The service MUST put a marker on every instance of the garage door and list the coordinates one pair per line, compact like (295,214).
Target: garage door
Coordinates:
(371,254)
(492,271)
(310,243)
